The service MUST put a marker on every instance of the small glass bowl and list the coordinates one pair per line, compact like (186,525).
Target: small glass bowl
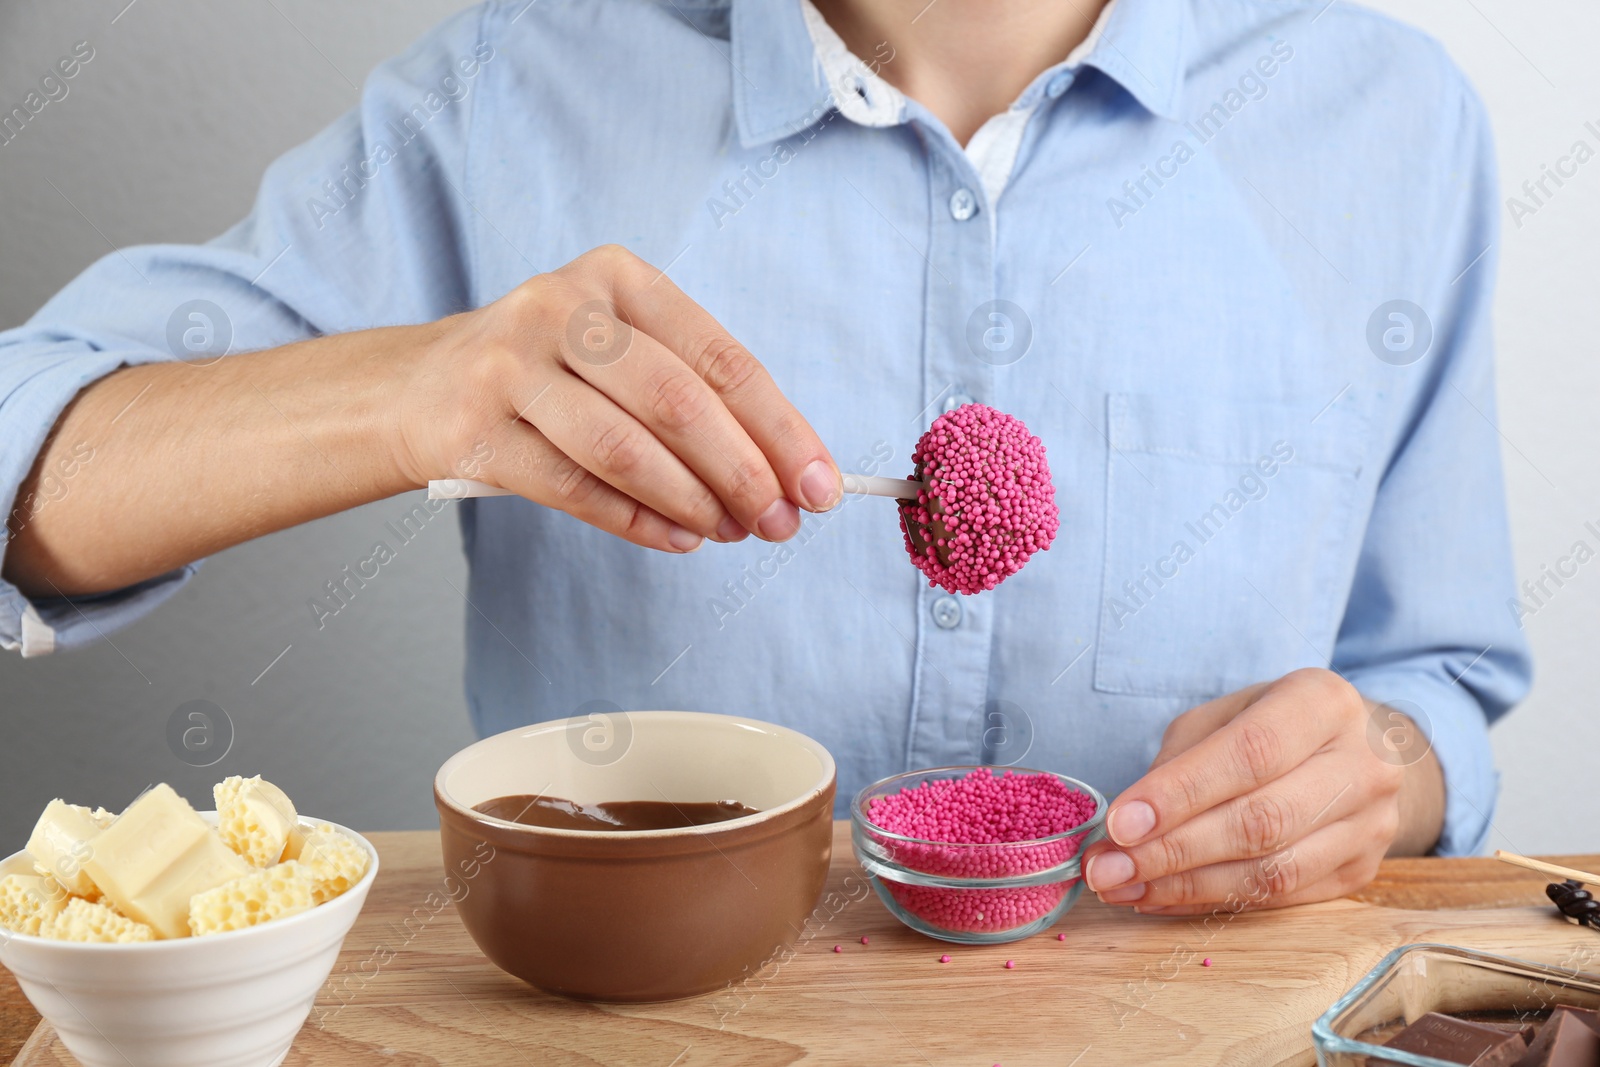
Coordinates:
(972,894)
(1416,979)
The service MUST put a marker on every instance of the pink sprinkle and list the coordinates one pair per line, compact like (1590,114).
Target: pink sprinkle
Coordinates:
(1010,964)
(944,959)
(863,940)
(1061,937)
(982,808)
(1206,962)
(990,504)
(838,948)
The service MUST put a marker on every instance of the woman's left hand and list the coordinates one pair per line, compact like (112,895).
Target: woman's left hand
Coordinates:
(1274,795)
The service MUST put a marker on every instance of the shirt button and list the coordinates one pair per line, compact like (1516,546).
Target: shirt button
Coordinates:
(957,399)
(963,204)
(947,612)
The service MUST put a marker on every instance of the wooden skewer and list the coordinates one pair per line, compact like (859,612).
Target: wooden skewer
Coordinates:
(1552,869)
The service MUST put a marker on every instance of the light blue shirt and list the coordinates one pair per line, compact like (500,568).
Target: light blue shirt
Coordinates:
(1262,461)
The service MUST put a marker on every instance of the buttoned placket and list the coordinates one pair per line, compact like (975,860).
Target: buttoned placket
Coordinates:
(953,632)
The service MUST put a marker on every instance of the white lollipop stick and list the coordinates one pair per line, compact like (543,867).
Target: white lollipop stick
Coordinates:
(859,484)
(461,488)
(872,485)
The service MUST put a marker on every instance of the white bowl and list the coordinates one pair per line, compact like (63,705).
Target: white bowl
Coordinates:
(235,999)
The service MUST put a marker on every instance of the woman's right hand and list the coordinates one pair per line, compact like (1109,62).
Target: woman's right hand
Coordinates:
(602,390)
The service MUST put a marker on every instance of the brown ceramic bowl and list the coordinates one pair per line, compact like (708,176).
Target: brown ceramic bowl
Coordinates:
(639,915)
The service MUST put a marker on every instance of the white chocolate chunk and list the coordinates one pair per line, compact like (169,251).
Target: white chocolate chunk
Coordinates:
(27,901)
(300,835)
(85,920)
(260,896)
(17,863)
(156,856)
(254,818)
(62,842)
(335,862)
(296,842)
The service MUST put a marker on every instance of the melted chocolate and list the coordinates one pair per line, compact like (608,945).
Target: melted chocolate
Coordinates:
(559,814)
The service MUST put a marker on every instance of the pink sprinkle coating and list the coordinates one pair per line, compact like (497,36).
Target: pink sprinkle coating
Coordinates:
(944,959)
(984,808)
(982,825)
(864,940)
(978,910)
(1061,937)
(989,505)
(1206,962)
(1010,964)
(838,948)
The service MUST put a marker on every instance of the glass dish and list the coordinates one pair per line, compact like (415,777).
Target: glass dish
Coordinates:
(1416,979)
(972,894)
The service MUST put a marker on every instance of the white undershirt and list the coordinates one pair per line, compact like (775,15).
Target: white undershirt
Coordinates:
(865,98)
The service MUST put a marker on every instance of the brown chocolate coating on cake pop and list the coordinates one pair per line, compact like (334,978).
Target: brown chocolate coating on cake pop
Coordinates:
(934,533)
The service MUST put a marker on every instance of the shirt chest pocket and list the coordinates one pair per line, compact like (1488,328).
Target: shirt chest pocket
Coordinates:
(1229,541)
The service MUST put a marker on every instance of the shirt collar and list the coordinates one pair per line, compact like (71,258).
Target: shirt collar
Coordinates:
(1143,47)
(780,88)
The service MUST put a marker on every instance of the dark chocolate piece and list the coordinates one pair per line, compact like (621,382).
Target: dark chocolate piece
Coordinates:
(1588,1015)
(1575,902)
(559,814)
(1567,1039)
(1458,1041)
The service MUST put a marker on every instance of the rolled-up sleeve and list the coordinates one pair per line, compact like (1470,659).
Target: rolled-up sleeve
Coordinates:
(360,227)
(38,378)
(1427,629)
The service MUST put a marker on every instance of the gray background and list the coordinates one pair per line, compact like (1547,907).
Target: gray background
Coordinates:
(163,137)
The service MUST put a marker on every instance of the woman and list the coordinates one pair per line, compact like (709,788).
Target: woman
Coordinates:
(662,270)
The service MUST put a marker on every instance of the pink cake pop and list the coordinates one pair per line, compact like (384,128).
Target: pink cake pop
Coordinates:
(989,504)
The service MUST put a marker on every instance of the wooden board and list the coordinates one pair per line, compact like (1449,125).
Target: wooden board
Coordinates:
(1429,883)
(1121,989)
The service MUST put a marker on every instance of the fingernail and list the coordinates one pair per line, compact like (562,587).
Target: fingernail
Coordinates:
(730,531)
(1128,824)
(779,521)
(684,540)
(819,484)
(1124,894)
(1108,870)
